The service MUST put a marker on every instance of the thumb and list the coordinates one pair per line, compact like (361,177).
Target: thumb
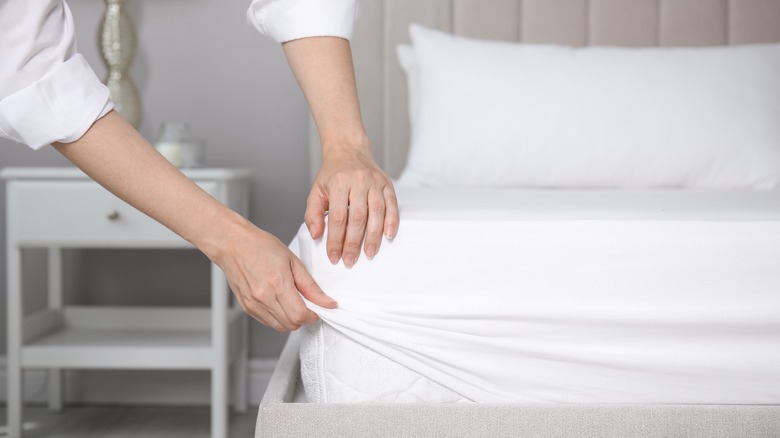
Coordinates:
(309,288)
(314,217)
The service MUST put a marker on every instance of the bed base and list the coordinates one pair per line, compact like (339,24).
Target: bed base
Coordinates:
(285,413)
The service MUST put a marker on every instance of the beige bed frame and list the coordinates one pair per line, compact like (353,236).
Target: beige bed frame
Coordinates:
(384,24)
(284,413)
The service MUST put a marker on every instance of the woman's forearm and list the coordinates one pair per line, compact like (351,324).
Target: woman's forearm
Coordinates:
(323,67)
(120,159)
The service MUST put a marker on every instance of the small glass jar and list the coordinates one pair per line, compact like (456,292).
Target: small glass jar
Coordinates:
(170,140)
(193,153)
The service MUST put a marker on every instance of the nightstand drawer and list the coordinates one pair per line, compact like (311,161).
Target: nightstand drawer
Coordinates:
(84,214)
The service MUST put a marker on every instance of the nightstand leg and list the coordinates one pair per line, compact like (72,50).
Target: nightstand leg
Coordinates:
(240,384)
(55,303)
(15,335)
(54,376)
(15,401)
(219,400)
(219,343)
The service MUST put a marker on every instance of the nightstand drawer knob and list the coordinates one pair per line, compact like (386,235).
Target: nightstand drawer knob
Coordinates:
(112,215)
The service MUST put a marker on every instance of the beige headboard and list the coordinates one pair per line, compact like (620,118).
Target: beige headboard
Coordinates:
(384,23)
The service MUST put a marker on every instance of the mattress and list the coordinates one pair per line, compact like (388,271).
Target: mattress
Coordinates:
(668,297)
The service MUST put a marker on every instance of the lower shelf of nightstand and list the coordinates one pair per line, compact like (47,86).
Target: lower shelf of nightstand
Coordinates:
(127,338)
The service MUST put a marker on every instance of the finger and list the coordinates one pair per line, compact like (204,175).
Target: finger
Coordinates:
(295,309)
(256,311)
(356,225)
(278,312)
(289,301)
(376,220)
(267,299)
(316,205)
(392,219)
(309,288)
(337,223)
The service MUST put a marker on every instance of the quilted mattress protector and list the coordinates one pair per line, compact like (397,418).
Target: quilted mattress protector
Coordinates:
(556,296)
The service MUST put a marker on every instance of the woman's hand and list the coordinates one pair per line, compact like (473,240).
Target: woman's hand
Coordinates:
(266,278)
(361,202)
(358,195)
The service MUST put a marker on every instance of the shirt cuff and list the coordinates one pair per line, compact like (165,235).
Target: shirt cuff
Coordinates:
(59,107)
(287,20)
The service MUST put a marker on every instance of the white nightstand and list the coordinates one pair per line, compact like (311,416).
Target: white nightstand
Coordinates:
(56,208)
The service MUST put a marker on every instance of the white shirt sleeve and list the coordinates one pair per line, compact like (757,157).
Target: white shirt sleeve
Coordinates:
(286,20)
(48,92)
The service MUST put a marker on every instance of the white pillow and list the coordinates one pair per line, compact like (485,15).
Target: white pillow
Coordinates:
(489,113)
(408,62)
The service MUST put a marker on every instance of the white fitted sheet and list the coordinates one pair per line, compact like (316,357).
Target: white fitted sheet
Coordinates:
(572,296)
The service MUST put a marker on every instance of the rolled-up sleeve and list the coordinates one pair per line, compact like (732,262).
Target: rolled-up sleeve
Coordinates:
(48,92)
(286,20)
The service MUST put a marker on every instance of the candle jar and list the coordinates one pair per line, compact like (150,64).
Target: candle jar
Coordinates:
(170,141)
(193,153)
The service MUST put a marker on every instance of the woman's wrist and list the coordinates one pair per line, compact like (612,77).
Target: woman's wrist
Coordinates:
(345,144)
(221,233)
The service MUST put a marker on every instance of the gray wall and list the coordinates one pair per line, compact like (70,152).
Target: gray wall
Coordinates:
(198,61)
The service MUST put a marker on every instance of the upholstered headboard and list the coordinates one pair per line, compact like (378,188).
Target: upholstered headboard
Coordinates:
(384,23)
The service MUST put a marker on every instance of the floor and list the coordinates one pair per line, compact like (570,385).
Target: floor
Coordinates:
(126,422)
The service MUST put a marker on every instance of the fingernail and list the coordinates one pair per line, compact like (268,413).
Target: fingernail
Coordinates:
(349,260)
(390,233)
(370,252)
(333,256)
